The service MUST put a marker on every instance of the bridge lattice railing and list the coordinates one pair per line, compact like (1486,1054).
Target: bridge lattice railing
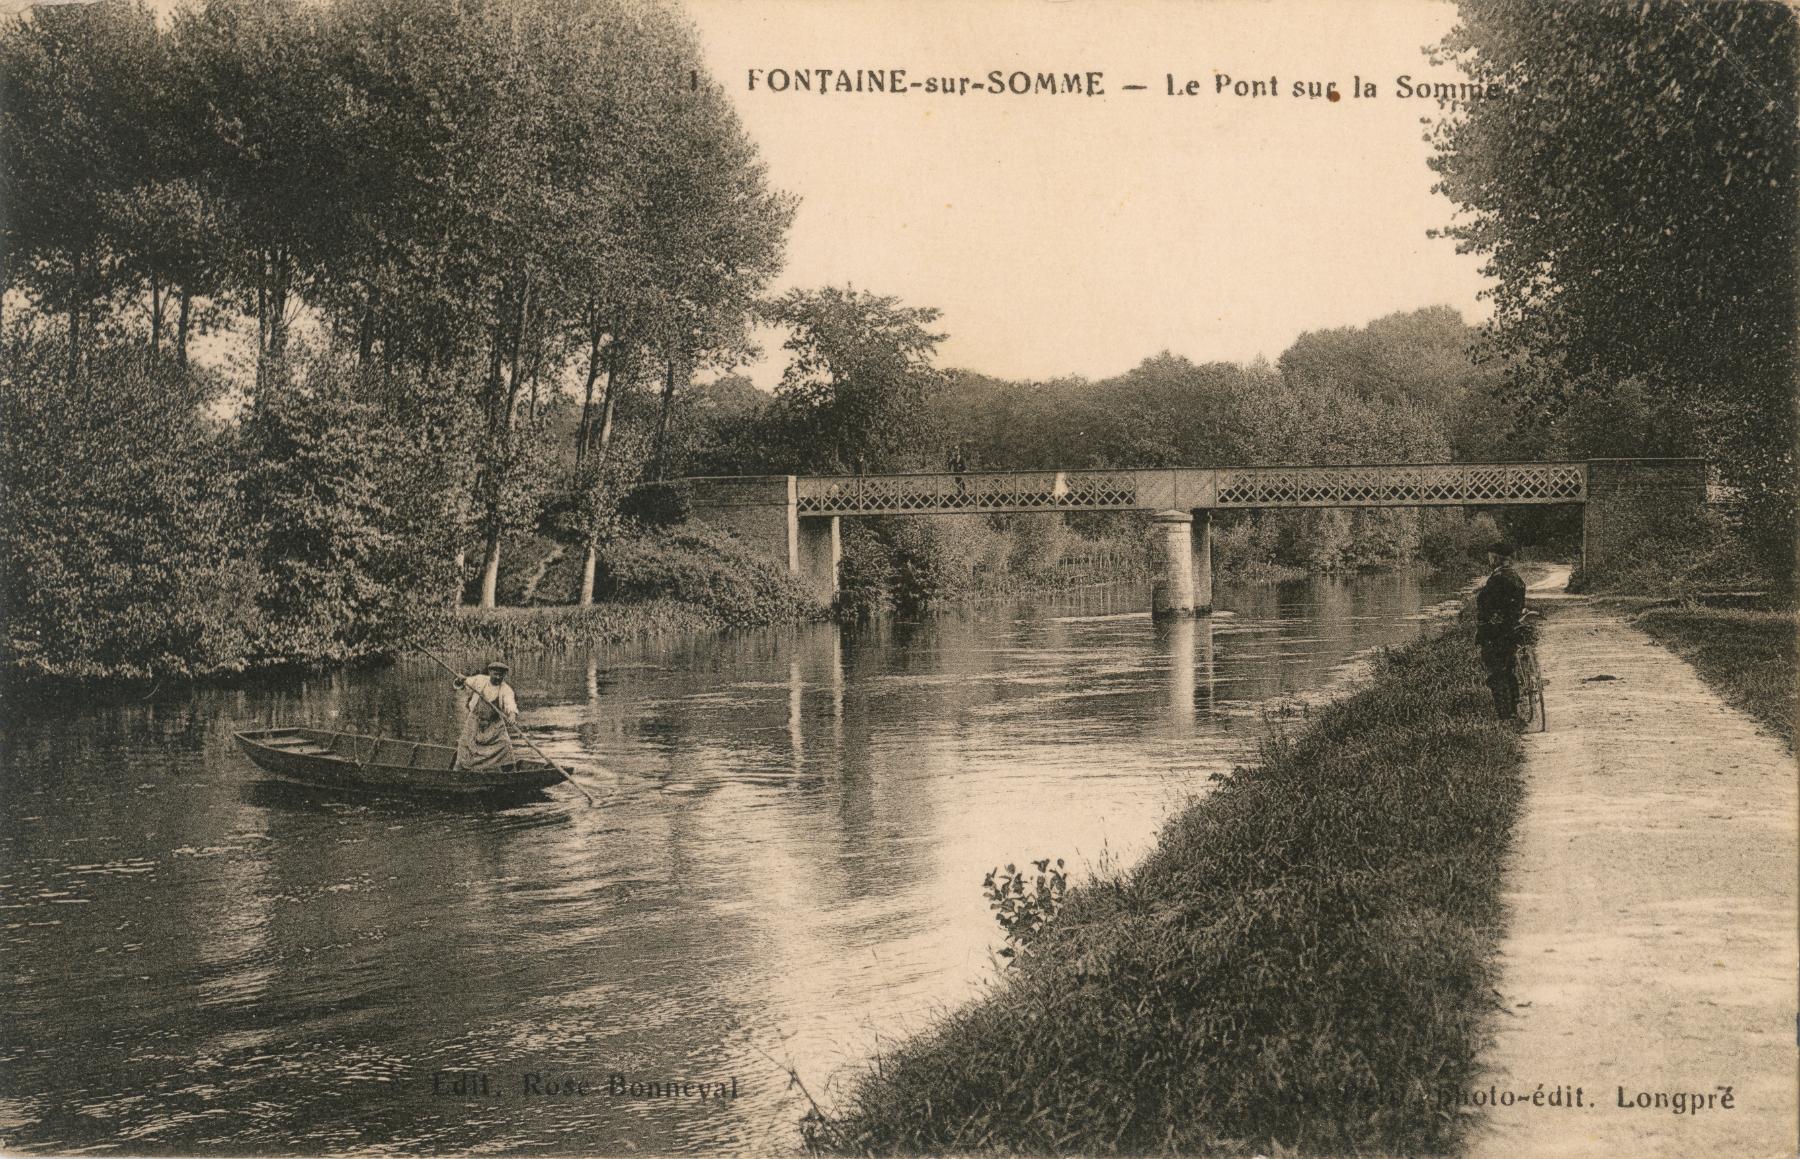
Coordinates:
(1401,485)
(1151,489)
(976,491)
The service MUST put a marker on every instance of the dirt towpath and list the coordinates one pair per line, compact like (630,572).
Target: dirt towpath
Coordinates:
(1652,949)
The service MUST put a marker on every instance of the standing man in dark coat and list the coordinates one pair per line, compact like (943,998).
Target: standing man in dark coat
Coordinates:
(1498,607)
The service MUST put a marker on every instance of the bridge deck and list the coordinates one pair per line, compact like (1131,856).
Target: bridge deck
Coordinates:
(1184,488)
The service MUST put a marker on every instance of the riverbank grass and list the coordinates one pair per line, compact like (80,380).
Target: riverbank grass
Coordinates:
(1744,649)
(512,629)
(1305,961)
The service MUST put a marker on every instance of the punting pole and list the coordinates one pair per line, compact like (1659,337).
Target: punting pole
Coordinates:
(523,735)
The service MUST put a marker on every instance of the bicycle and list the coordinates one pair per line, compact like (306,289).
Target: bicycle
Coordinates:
(1530,706)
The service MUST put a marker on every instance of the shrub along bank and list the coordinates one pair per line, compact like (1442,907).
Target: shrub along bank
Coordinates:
(1680,553)
(1305,960)
(913,561)
(684,579)
(904,562)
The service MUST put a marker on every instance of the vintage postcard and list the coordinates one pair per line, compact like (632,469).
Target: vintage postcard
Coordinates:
(618,577)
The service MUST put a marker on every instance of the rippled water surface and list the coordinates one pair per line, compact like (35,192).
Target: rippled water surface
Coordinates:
(783,868)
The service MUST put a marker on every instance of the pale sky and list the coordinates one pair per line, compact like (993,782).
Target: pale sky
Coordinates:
(1071,234)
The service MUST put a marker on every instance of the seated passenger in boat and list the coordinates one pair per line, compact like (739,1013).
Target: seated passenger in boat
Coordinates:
(485,743)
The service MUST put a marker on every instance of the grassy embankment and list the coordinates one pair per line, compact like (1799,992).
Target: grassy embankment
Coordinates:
(1304,961)
(1745,649)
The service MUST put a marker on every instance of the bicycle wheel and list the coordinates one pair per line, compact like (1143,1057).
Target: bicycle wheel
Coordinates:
(1531,697)
(1537,683)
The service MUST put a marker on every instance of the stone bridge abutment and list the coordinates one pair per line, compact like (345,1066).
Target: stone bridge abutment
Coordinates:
(762,513)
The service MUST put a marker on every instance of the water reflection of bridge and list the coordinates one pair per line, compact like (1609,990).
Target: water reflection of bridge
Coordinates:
(794,520)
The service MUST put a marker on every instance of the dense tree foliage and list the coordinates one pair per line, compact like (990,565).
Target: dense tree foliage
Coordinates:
(425,222)
(1634,193)
(1401,389)
(339,494)
(861,392)
(123,555)
(77,96)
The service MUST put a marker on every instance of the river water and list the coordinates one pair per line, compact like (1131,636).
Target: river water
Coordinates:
(783,870)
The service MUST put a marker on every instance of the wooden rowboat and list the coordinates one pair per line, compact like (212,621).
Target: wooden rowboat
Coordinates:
(345,760)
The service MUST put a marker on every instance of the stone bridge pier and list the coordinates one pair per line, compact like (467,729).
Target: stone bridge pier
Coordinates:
(1181,563)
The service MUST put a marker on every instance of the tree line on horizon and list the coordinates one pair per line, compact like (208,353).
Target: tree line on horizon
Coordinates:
(490,264)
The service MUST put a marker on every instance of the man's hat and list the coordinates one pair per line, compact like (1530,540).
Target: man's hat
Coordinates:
(500,664)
